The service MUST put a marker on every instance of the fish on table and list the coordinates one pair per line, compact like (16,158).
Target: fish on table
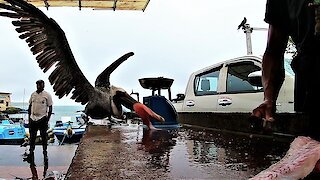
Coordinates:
(299,161)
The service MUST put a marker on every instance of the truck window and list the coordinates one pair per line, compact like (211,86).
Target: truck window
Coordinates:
(207,83)
(237,78)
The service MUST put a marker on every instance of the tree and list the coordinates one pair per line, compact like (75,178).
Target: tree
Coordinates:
(291,48)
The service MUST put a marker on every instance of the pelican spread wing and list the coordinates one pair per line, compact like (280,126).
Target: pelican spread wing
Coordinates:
(48,42)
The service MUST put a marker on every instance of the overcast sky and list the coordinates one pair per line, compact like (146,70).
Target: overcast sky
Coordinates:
(171,38)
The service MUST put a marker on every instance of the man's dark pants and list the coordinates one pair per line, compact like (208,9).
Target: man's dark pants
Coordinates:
(42,126)
(307,96)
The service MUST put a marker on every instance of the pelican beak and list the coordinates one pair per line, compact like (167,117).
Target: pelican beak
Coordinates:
(146,114)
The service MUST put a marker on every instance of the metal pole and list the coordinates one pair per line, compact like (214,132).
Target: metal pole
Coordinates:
(248,31)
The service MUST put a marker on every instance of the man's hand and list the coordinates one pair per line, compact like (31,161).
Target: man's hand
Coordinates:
(265,110)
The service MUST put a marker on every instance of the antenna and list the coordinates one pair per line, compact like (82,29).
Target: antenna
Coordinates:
(24,93)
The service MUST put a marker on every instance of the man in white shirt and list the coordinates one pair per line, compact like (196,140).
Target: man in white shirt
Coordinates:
(40,109)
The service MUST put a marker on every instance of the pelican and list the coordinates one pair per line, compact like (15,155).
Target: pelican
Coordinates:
(47,41)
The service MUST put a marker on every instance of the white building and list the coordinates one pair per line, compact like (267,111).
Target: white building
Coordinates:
(5,100)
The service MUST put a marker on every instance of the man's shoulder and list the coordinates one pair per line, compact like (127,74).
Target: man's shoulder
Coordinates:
(46,93)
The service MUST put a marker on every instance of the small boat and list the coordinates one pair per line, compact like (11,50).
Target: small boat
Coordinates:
(10,132)
(20,117)
(68,131)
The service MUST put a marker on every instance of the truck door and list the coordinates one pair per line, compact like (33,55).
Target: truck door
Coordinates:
(202,96)
(240,94)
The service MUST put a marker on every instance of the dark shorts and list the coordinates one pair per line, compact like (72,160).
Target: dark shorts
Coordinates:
(42,123)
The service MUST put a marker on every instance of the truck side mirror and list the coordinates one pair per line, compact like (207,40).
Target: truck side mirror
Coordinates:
(180,97)
(254,78)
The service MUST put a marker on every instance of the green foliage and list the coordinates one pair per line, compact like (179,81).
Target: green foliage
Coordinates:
(12,110)
(291,47)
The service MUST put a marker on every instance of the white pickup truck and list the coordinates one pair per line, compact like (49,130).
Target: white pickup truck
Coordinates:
(231,86)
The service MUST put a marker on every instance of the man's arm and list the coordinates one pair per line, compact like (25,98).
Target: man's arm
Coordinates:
(50,103)
(29,111)
(273,73)
(273,63)
(49,113)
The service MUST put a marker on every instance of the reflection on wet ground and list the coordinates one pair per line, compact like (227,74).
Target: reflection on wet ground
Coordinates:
(13,164)
(185,153)
(188,153)
(231,152)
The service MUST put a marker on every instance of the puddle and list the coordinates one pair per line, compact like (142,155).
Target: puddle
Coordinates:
(188,153)
(12,165)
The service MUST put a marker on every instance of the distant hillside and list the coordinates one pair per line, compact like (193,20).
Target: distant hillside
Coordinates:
(19,104)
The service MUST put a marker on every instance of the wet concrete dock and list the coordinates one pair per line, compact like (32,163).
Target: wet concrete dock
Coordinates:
(105,153)
(128,152)
(131,152)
